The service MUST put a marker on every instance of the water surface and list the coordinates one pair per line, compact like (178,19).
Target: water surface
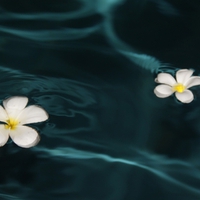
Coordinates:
(91,65)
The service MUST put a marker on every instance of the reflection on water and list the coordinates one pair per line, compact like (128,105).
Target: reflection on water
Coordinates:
(91,65)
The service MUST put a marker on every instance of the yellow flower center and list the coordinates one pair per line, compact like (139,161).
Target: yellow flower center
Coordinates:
(179,88)
(11,124)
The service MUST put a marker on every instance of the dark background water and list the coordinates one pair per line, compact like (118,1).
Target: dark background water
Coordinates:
(91,64)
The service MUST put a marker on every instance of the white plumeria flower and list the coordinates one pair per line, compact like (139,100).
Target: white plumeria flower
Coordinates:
(15,115)
(184,81)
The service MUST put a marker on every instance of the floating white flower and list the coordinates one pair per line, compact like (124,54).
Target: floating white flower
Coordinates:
(184,81)
(15,115)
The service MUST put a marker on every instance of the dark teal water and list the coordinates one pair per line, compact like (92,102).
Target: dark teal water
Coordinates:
(91,65)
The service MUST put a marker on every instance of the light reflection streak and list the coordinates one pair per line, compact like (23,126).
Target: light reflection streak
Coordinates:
(71,153)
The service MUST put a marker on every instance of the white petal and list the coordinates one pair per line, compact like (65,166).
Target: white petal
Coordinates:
(163,91)
(193,81)
(166,79)
(3,115)
(183,75)
(25,136)
(14,105)
(32,114)
(4,135)
(185,97)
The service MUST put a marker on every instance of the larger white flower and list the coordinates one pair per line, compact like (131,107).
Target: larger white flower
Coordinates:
(15,115)
(184,81)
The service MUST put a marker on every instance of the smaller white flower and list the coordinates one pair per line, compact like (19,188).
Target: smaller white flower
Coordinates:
(15,115)
(184,81)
